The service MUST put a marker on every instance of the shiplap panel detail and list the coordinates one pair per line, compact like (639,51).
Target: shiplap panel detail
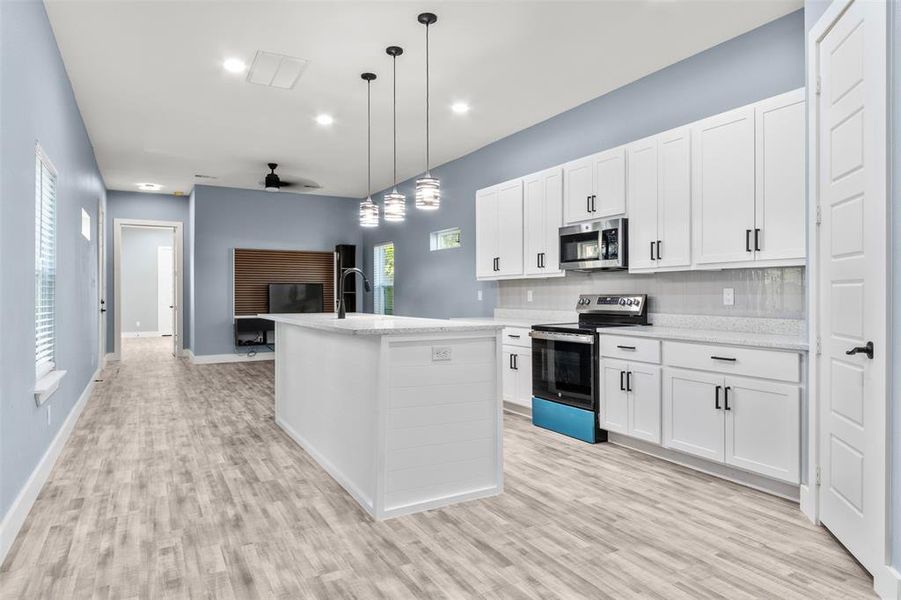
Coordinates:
(256,269)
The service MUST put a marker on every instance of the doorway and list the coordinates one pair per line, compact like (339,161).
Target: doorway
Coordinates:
(848,153)
(148,286)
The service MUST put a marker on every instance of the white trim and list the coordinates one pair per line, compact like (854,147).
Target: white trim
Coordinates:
(885,578)
(209,359)
(178,226)
(46,385)
(15,516)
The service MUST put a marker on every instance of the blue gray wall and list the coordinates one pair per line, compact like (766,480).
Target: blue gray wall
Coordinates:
(140,276)
(229,218)
(149,207)
(762,63)
(37,104)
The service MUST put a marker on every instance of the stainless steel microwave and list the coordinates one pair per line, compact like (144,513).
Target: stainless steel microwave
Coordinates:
(595,245)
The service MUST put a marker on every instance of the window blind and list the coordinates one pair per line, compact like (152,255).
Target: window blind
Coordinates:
(45,265)
(383,276)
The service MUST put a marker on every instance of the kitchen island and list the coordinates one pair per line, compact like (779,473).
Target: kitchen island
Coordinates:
(404,413)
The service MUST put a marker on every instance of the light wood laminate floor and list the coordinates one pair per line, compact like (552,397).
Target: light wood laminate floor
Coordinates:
(176,483)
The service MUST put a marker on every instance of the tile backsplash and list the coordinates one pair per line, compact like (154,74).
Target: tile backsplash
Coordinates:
(774,292)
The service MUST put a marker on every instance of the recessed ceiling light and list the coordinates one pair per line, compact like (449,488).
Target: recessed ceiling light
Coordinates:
(149,187)
(325,119)
(461,108)
(234,65)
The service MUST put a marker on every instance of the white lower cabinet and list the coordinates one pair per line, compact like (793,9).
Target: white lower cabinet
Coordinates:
(630,399)
(517,367)
(746,423)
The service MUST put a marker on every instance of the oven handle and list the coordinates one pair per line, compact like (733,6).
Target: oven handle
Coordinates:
(575,338)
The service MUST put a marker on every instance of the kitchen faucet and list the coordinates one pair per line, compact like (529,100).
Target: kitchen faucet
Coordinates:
(341,310)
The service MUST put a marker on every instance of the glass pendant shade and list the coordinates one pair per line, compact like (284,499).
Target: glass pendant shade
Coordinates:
(369,213)
(395,206)
(428,193)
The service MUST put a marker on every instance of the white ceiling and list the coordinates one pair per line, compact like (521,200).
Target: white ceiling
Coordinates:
(159,107)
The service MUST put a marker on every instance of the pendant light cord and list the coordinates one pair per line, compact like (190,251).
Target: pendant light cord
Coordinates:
(369,139)
(394,63)
(427,105)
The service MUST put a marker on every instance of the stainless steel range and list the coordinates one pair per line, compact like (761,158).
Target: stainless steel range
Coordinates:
(565,364)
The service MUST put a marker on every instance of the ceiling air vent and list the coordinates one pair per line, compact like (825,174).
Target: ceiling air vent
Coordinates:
(276,70)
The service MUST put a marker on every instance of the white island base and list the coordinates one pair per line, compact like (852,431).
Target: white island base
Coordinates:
(404,413)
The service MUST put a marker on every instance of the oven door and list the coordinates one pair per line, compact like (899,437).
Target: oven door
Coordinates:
(563,368)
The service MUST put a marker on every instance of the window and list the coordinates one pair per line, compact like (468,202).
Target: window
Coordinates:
(383,273)
(445,239)
(45,264)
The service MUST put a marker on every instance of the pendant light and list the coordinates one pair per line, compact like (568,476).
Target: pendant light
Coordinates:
(369,210)
(395,202)
(428,189)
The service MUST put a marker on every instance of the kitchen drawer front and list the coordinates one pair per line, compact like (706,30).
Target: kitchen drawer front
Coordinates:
(517,336)
(631,348)
(751,362)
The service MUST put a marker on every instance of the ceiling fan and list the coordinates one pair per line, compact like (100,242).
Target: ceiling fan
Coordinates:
(273,183)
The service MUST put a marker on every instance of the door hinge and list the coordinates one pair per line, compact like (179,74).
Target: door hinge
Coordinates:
(819,346)
(819,214)
(818,86)
(817,476)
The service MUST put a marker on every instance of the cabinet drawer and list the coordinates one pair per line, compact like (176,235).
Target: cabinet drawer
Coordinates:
(517,336)
(631,348)
(752,362)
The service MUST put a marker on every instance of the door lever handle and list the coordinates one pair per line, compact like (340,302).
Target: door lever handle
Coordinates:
(868,350)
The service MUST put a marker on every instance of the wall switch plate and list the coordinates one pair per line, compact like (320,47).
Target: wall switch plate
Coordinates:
(728,296)
(480,295)
(528,295)
(441,353)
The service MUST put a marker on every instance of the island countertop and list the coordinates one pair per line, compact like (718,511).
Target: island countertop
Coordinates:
(370,324)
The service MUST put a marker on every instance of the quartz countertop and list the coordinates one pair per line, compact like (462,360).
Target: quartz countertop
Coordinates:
(713,336)
(369,324)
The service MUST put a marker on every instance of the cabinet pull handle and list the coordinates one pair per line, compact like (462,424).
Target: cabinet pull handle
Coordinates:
(594,207)
(626,347)
(622,385)
(538,260)
(725,358)
(757,240)
(515,337)
(652,250)
(543,265)
(511,362)
(628,381)
(588,203)
(516,362)
(748,240)
(726,406)
(716,402)
(659,256)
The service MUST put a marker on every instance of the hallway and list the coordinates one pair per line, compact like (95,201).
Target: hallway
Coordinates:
(176,483)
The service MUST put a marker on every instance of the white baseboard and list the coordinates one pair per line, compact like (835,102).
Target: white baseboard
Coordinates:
(139,334)
(209,359)
(887,583)
(809,503)
(110,357)
(15,517)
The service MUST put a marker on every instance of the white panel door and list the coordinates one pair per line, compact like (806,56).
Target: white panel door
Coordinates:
(781,192)
(609,197)
(508,379)
(673,198)
(852,248)
(486,233)
(578,187)
(165,290)
(522,364)
(693,415)
(614,403)
(723,187)
(763,427)
(553,220)
(643,382)
(534,226)
(642,186)
(509,228)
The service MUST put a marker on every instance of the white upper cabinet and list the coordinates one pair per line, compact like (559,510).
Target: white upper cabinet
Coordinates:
(486,233)
(723,187)
(543,210)
(499,231)
(781,190)
(643,210)
(595,186)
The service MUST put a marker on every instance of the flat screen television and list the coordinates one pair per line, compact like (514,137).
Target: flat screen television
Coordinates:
(295,298)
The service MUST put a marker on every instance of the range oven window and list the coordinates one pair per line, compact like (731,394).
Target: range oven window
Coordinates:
(563,371)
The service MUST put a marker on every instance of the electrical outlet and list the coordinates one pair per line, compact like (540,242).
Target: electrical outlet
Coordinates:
(528,295)
(480,295)
(48,414)
(728,296)
(441,353)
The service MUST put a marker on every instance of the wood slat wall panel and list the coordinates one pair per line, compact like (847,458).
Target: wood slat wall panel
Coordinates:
(256,269)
